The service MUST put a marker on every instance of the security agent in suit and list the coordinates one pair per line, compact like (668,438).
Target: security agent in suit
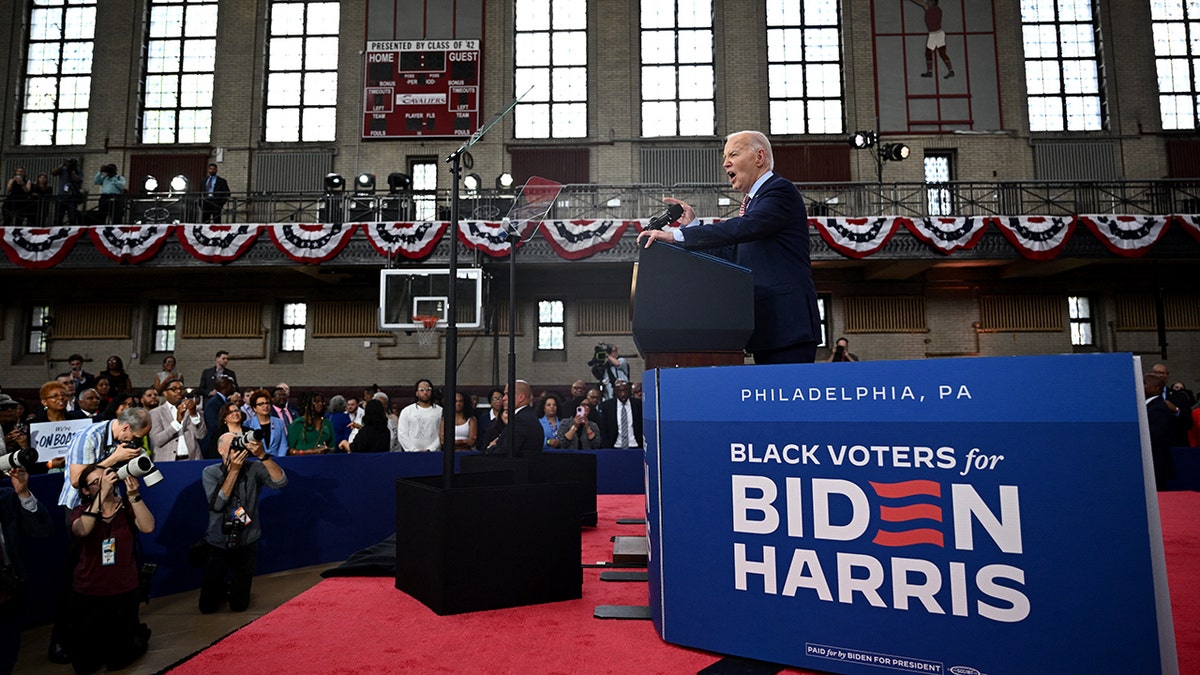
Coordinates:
(1161,421)
(522,436)
(21,515)
(216,193)
(177,429)
(772,241)
(610,416)
(209,377)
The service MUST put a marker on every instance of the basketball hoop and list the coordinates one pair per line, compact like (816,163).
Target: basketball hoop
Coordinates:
(426,329)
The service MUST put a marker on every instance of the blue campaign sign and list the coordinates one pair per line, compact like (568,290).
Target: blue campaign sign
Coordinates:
(987,515)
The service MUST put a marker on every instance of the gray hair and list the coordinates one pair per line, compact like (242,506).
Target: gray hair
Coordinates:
(757,140)
(337,403)
(138,419)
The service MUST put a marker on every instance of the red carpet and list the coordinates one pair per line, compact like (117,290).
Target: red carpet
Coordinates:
(357,625)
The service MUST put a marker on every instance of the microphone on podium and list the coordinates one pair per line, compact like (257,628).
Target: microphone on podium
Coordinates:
(672,213)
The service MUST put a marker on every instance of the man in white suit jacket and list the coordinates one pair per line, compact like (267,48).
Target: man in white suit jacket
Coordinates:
(176,428)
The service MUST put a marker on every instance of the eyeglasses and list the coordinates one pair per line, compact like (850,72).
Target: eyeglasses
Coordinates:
(56,396)
(173,389)
(262,402)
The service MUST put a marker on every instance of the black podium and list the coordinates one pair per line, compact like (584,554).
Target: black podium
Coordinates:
(575,468)
(690,308)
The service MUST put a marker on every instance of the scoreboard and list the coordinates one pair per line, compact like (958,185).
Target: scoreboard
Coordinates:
(421,88)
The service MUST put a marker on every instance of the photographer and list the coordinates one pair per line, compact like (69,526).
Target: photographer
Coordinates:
(70,192)
(110,444)
(841,351)
(20,513)
(233,526)
(105,626)
(608,366)
(111,208)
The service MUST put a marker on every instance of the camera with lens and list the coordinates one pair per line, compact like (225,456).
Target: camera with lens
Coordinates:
(145,577)
(234,525)
(600,359)
(25,459)
(140,467)
(239,441)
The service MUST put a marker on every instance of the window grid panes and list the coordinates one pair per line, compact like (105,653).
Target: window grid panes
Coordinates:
(678,87)
(58,72)
(302,61)
(937,174)
(551,325)
(550,48)
(424,185)
(38,327)
(181,53)
(1062,65)
(804,67)
(1080,309)
(1176,29)
(292,328)
(164,328)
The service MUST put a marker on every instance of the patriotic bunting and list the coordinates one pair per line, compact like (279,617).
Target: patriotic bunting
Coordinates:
(38,247)
(857,237)
(218,243)
(578,239)
(311,243)
(1129,236)
(492,238)
(1037,237)
(130,243)
(948,234)
(411,240)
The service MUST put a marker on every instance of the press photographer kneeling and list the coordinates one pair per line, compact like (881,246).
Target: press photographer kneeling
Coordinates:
(233,526)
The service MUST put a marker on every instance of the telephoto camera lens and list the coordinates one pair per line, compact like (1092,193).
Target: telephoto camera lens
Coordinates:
(25,459)
(141,467)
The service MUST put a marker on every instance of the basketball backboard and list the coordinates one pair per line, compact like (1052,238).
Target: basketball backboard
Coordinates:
(420,291)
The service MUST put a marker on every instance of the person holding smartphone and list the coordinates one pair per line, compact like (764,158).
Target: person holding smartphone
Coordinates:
(579,433)
(16,198)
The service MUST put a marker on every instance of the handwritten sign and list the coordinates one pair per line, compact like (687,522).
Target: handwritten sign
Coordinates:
(53,439)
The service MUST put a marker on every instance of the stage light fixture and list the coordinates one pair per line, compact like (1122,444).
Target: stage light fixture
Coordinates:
(863,139)
(149,184)
(504,181)
(334,183)
(472,181)
(894,152)
(398,182)
(179,183)
(364,184)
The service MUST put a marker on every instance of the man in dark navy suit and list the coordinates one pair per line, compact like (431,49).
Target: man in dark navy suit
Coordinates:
(771,235)
(523,435)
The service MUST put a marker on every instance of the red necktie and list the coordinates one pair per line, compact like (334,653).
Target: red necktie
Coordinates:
(745,201)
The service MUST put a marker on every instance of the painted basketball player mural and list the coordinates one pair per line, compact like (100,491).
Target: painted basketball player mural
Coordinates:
(936,42)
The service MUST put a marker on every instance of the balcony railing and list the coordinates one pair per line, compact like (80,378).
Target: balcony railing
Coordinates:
(629,202)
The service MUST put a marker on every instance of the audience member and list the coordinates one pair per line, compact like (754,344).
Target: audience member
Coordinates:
(841,351)
(281,408)
(42,194)
(17,199)
(593,401)
(465,426)
(486,418)
(106,629)
(118,379)
(216,193)
(355,412)
(111,207)
(1187,393)
(149,398)
(581,433)
(209,377)
(1181,412)
(311,433)
(103,389)
(89,405)
(548,416)
(234,526)
(72,393)
(81,378)
(393,440)
(275,433)
(54,399)
(621,419)
(418,428)
(116,406)
(70,192)
(231,419)
(219,395)
(167,375)
(338,419)
(178,429)
(374,434)
(21,515)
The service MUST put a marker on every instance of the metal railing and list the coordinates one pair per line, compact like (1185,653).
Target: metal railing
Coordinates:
(628,202)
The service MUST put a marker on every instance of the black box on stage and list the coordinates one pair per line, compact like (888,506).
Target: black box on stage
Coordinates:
(576,468)
(486,542)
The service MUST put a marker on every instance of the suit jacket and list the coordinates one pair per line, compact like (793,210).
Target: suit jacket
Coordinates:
(209,378)
(523,436)
(17,522)
(220,193)
(1162,426)
(609,429)
(772,240)
(164,438)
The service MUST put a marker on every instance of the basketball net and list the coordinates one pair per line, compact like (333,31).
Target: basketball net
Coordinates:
(426,329)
